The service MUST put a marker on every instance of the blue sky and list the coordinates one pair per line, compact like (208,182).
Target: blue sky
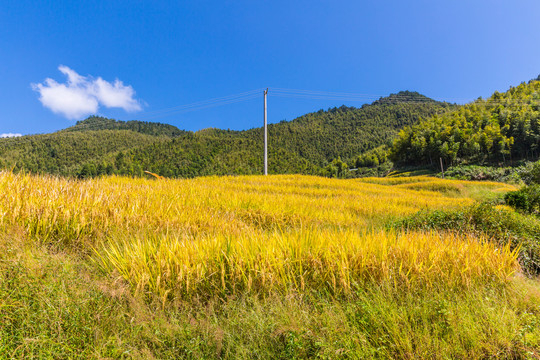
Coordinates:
(170,53)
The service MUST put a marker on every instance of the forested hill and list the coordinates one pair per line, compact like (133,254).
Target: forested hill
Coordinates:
(347,132)
(143,127)
(98,145)
(65,153)
(500,129)
(216,153)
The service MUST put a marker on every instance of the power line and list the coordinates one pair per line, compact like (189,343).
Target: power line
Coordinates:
(247,95)
(313,95)
(317,92)
(328,95)
(405,99)
(195,108)
(212,100)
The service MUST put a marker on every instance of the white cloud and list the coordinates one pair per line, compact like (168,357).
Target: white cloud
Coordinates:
(117,95)
(83,95)
(7,135)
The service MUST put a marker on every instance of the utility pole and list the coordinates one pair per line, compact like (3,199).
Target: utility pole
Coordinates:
(265,136)
(442,168)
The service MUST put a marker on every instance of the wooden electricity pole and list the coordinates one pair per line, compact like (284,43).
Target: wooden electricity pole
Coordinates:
(265,136)
(442,168)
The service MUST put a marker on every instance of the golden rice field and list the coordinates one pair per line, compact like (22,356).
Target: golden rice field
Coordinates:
(231,235)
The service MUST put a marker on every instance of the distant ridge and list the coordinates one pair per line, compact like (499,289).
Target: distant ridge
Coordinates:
(404,97)
(143,127)
(308,144)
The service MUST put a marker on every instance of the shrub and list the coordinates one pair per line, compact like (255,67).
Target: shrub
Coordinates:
(526,199)
(477,172)
(530,173)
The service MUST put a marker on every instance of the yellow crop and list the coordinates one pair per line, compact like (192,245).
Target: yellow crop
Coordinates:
(336,262)
(254,233)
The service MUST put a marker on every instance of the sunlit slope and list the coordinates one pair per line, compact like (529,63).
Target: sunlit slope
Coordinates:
(71,209)
(313,261)
(227,235)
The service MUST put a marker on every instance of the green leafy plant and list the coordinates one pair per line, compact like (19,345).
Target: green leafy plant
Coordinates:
(526,199)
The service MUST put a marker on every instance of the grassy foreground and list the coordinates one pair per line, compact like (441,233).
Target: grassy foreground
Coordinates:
(254,267)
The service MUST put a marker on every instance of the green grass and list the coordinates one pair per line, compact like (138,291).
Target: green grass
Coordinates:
(57,302)
(54,305)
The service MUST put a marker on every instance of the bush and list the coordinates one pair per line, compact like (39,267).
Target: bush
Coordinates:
(527,172)
(526,199)
(477,172)
(530,173)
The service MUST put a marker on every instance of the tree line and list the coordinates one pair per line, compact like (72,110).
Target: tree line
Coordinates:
(326,142)
(498,130)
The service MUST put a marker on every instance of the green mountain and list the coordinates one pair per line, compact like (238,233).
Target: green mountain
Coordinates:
(347,132)
(501,129)
(307,144)
(220,153)
(64,152)
(143,127)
